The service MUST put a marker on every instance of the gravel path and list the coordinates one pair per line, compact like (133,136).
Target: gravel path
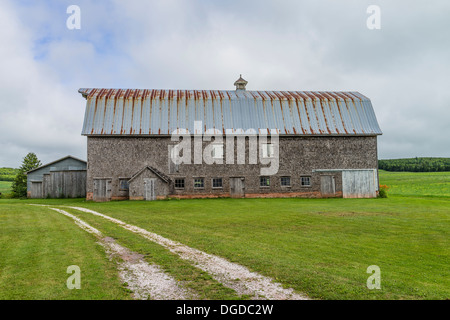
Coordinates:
(144,279)
(230,274)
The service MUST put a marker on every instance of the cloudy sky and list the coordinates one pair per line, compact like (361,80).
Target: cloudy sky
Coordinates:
(404,67)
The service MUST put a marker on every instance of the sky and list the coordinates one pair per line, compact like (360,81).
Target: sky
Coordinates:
(317,45)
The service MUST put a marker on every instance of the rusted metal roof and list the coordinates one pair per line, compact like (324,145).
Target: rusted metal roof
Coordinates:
(161,112)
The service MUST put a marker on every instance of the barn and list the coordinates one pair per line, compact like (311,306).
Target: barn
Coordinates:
(154,144)
(62,178)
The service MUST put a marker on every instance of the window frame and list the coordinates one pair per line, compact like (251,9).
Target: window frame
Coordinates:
(184,183)
(267,179)
(214,147)
(305,185)
(120,184)
(265,151)
(202,180)
(285,185)
(221,183)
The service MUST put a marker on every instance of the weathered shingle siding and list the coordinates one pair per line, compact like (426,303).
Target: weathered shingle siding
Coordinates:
(118,157)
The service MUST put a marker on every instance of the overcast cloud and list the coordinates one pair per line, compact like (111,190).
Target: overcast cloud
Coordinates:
(277,45)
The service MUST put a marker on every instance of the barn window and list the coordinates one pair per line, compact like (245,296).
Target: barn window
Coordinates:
(305,181)
(217,183)
(217,151)
(285,181)
(199,183)
(264,182)
(123,184)
(179,183)
(267,150)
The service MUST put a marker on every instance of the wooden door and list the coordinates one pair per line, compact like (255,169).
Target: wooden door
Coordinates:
(237,187)
(36,189)
(327,185)
(102,190)
(149,189)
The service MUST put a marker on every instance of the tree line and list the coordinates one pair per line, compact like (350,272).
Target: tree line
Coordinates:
(8,174)
(415,164)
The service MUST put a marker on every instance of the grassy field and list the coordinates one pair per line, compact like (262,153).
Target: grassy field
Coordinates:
(5,186)
(321,247)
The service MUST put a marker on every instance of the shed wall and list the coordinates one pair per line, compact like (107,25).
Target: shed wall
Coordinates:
(64,164)
(359,184)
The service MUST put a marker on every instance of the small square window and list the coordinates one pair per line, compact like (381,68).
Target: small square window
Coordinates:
(199,183)
(179,183)
(285,181)
(305,181)
(123,185)
(217,183)
(264,182)
(267,150)
(217,151)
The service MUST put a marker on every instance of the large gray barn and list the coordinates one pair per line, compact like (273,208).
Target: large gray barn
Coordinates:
(327,143)
(62,178)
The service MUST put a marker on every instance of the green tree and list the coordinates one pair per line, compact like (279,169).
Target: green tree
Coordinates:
(19,185)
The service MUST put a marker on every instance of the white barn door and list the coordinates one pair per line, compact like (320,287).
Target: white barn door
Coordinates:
(149,189)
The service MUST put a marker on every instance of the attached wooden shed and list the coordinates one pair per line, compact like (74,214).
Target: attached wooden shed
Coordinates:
(63,178)
(149,184)
(356,183)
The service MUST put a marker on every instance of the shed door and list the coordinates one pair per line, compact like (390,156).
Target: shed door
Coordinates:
(149,189)
(36,189)
(102,190)
(327,185)
(237,187)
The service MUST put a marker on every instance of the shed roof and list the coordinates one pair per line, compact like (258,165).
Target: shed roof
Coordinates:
(115,112)
(56,161)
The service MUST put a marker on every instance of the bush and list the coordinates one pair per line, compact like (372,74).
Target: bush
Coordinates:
(383,191)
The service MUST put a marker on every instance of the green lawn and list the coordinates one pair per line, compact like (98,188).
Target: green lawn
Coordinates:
(321,247)
(417,183)
(36,247)
(5,186)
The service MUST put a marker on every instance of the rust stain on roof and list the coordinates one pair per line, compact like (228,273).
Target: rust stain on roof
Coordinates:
(324,116)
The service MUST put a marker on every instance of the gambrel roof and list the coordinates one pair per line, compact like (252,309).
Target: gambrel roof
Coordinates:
(115,112)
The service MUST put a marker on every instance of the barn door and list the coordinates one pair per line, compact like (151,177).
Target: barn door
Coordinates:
(237,187)
(149,189)
(327,185)
(108,190)
(102,190)
(36,189)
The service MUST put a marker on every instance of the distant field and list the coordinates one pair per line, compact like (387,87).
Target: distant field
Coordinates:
(5,186)
(320,247)
(417,183)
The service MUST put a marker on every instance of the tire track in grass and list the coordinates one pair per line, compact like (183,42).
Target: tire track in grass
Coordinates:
(232,275)
(144,279)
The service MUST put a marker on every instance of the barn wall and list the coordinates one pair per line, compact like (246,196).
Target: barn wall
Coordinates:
(117,157)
